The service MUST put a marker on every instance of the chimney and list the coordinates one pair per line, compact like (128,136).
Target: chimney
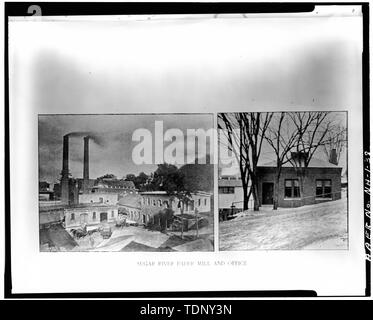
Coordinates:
(333,157)
(65,171)
(86,165)
(300,158)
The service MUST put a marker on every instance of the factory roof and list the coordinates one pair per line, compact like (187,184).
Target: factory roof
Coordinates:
(130,200)
(90,205)
(314,163)
(161,192)
(158,192)
(114,183)
(230,183)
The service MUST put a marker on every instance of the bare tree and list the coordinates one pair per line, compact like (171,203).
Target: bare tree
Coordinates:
(336,142)
(312,130)
(282,137)
(245,133)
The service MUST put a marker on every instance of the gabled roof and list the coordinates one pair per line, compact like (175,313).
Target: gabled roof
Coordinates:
(159,192)
(230,183)
(90,205)
(130,200)
(314,163)
(114,183)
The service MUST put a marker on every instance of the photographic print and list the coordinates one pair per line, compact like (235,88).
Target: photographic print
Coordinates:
(192,144)
(125,183)
(283,180)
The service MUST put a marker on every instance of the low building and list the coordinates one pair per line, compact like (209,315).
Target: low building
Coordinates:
(321,182)
(99,197)
(199,200)
(90,215)
(50,213)
(111,185)
(230,196)
(130,206)
(230,193)
(45,192)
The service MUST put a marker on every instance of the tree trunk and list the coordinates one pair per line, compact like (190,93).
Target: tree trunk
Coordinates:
(276,190)
(245,197)
(245,200)
(255,192)
(196,224)
(301,184)
(301,191)
(182,220)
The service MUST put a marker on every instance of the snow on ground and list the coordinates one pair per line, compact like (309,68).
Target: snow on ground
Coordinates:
(197,245)
(124,236)
(145,240)
(130,238)
(320,226)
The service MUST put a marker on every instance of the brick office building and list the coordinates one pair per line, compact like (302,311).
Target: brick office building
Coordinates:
(321,182)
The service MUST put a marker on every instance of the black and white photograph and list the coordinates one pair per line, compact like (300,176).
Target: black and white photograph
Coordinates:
(283,180)
(197,150)
(100,188)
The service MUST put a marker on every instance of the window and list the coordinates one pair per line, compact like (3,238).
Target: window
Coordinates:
(112,214)
(94,216)
(72,217)
(190,205)
(83,218)
(292,188)
(199,202)
(323,188)
(226,189)
(160,203)
(205,202)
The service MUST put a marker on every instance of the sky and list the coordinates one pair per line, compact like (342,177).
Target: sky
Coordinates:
(177,65)
(336,119)
(112,151)
(198,65)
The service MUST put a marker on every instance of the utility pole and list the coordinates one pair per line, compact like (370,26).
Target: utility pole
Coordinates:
(181,217)
(196,213)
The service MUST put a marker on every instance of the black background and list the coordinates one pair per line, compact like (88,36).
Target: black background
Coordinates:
(78,8)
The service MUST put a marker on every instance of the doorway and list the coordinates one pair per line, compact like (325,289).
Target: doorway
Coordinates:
(103,216)
(83,218)
(267,193)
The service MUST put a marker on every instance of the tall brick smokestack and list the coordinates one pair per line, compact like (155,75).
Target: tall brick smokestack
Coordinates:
(65,171)
(86,165)
(333,157)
